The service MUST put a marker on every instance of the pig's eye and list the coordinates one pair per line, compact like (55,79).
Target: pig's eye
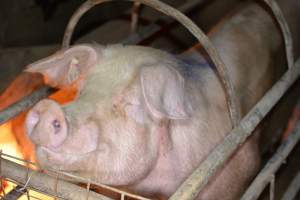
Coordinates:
(56,125)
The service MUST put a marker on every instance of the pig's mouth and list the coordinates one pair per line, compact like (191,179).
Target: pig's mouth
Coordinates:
(60,161)
(59,157)
(60,151)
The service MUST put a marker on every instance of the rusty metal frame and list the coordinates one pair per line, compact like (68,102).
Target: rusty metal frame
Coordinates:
(197,181)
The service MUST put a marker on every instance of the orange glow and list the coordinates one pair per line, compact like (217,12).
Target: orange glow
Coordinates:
(65,95)
(9,146)
(13,139)
(8,143)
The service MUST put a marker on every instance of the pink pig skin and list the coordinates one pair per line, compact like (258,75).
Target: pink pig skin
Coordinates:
(146,119)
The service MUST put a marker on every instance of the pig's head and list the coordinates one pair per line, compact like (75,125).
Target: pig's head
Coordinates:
(120,119)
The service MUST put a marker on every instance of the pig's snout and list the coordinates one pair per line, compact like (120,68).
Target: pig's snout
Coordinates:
(46,124)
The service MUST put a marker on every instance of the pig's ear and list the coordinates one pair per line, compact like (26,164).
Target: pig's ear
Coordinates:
(65,67)
(163,90)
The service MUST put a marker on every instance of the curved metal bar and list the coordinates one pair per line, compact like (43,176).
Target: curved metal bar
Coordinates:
(288,41)
(231,98)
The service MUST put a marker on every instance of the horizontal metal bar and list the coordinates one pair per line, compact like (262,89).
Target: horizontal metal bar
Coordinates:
(293,189)
(45,183)
(199,178)
(273,165)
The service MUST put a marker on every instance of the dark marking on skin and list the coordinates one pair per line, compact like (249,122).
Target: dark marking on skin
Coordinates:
(190,67)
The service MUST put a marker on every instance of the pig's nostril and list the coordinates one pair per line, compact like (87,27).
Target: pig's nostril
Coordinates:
(56,125)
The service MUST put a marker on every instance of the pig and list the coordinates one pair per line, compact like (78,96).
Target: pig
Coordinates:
(145,119)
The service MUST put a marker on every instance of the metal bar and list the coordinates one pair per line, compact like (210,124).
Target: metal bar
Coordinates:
(15,193)
(153,28)
(24,103)
(293,189)
(272,187)
(199,178)
(44,183)
(27,194)
(284,29)
(135,12)
(273,165)
(1,180)
(84,180)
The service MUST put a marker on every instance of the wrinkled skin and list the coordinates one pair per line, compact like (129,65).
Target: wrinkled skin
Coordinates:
(146,119)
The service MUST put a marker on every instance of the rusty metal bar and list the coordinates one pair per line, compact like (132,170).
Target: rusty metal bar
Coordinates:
(265,175)
(24,103)
(135,11)
(293,189)
(199,178)
(153,28)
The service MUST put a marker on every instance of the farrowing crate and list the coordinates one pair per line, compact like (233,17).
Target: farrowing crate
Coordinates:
(27,178)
